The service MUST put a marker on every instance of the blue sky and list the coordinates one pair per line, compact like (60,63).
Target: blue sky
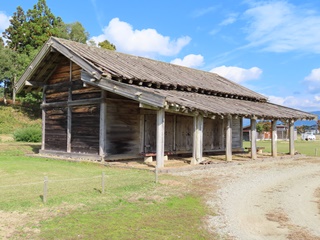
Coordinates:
(271,47)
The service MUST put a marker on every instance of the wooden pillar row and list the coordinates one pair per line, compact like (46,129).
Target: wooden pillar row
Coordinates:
(160,138)
(229,138)
(197,139)
(253,123)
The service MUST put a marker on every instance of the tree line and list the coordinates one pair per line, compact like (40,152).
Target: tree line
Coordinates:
(26,34)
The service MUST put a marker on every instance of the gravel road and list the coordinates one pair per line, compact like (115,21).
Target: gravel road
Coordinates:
(275,199)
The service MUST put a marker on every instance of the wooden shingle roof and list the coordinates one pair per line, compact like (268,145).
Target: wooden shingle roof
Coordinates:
(191,89)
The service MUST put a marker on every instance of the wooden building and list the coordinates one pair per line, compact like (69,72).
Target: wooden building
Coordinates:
(105,105)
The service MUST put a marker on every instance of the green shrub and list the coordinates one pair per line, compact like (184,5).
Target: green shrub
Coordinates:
(28,134)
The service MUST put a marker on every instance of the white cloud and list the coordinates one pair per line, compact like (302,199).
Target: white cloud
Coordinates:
(313,81)
(4,21)
(306,103)
(203,11)
(280,100)
(317,98)
(190,60)
(229,20)
(237,74)
(279,26)
(143,42)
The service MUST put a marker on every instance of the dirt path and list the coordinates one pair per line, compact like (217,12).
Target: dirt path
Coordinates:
(266,200)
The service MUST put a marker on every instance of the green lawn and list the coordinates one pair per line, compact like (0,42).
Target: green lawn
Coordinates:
(132,207)
(309,148)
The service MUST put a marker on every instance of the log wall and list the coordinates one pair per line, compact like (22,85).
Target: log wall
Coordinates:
(123,127)
(63,88)
(85,130)
(56,129)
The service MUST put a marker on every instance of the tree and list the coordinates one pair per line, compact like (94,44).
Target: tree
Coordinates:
(30,31)
(12,64)
(76,32)
(263,126)
(41,25)
(107,45)
(15,34)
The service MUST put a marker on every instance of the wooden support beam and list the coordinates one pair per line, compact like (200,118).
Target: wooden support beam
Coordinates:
(69,126)
(228,138)
(274,149)
(129,91)
(33,66)
(253,123)
(43,141)
(197,139)
(69,116)
(160,138)
(103,126)
(291,137)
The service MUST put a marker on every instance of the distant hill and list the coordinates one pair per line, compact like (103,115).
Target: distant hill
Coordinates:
(308,123)
(246,121)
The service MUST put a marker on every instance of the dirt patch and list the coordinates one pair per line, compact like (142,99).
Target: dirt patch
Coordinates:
(295,232)
(301,234)
(25,225)
(317,195)
(262,199)
(278,216)
(6,138)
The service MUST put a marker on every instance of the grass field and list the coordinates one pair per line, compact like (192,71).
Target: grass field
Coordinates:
(132,207)
(309,148)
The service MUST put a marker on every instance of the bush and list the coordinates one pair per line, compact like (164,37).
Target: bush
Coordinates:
(28,134)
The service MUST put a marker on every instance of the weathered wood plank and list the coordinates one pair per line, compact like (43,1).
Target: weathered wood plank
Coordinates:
(228,138)
(274,149)
(160,138)
(253,138)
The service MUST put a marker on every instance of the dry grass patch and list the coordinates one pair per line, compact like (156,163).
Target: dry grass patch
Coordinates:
(317,195)
(295,232)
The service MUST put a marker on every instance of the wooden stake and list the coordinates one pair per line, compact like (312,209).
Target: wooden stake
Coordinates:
(45,189)
(156,174)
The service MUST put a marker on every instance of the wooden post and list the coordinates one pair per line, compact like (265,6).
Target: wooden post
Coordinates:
(45,189)
(274,138)
(14,89)
(174,132)
(228,138)
(103,183)
(253,138)
(241,133)
(291,137)
(156,174)
(197,139)
(160,138)
(69,116)
(103,125)
(69,123)
(43,112)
